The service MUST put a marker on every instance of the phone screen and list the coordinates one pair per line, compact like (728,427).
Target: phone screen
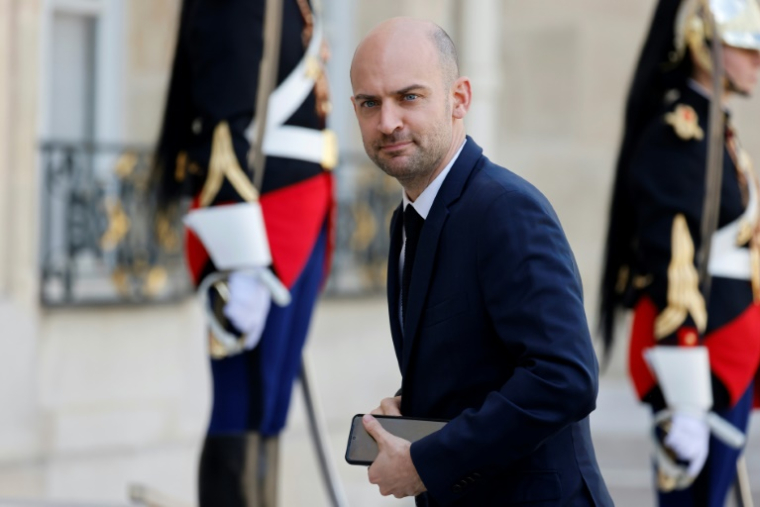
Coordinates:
(362,448)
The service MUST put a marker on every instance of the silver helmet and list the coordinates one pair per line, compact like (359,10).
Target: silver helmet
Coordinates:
(737,22)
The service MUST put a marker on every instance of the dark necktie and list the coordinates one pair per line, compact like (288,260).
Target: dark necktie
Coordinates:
(413,223)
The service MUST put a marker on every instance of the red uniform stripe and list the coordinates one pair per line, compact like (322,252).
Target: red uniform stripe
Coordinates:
(734,350)
(294,216)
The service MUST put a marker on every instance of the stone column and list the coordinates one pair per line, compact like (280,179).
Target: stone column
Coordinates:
(340,32)
(7,9)
(20,437)
(478,38)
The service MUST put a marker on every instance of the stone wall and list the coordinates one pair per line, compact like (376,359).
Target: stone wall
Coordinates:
(151,38)
(114,378)
(87,379)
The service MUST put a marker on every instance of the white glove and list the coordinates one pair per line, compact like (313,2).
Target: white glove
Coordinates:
(248,305)
(689,438)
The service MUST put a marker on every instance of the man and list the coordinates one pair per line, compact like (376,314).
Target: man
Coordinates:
(485,307)
(255,343)
(655,234)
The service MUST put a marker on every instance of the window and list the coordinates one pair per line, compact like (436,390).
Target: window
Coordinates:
(97,242)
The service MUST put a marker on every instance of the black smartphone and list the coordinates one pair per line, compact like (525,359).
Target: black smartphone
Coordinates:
(362,448)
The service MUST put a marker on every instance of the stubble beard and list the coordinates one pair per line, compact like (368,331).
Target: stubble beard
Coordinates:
(417,166)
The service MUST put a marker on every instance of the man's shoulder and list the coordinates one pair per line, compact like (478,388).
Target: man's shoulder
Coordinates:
(493,181)
(487,184)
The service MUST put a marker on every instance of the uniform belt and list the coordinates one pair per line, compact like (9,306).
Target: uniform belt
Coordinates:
(290,94)
(285,141)
(318,146)
(727,259)
(730,262)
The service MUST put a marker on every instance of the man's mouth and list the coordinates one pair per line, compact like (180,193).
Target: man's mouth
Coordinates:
(395,146)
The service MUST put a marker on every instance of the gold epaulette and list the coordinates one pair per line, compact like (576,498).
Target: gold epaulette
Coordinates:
(684,297)
(685,122)
(224,164)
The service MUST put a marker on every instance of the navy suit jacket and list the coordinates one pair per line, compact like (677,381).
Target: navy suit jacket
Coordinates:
(496,340)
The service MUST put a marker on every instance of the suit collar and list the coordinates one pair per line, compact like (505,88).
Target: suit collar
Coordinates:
(425,201)
(450,191)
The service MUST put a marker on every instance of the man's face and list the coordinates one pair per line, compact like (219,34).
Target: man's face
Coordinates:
(742,66)
(403,106)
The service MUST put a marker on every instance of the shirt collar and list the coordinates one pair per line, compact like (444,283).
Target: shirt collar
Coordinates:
(703,92)
(425,201)
(697,87)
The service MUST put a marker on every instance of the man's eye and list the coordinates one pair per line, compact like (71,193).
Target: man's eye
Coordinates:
(410,96)
(369,103)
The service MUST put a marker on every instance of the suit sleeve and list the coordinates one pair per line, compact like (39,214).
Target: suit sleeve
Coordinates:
(533,296)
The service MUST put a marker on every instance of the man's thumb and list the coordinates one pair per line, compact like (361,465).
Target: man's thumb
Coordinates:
(374,428)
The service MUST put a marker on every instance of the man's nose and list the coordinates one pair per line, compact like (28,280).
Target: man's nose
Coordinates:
(390,119)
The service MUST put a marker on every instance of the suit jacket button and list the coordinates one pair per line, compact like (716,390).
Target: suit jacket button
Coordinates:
(457,488)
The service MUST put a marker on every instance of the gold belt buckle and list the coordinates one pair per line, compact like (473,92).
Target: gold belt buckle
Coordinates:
(329,149)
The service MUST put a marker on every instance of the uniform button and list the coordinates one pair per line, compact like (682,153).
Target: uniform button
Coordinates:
(457,488)
(470,480)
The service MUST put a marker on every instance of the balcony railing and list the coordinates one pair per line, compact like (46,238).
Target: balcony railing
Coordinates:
(366,200)
(100,244)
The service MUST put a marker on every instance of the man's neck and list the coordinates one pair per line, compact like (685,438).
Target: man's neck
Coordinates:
(415,188)
(702,83)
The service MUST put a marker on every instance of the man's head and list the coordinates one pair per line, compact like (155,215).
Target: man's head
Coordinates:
(742,67)
(738,29)
(409,99)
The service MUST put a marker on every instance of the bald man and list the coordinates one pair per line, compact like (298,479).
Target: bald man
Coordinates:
(485,301)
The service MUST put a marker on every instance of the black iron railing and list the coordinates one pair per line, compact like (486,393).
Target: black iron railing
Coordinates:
(366,200)
(101,245)
(99,242)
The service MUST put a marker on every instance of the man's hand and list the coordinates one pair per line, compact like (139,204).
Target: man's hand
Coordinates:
(248,305)
(393,470)
(689,438)
(389,406)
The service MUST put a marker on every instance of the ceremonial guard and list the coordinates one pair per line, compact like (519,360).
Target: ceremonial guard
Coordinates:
(689,266)
(258,253)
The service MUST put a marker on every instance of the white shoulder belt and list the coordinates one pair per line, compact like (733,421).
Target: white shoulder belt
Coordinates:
(319,146)
(728,260)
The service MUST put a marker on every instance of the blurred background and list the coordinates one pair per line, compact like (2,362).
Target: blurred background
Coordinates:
(104,380)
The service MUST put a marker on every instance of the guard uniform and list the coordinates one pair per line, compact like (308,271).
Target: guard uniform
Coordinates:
(667,185)
(203,154)
(654,241)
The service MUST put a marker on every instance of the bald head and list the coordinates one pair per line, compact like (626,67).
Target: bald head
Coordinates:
(409,34)
(409,100)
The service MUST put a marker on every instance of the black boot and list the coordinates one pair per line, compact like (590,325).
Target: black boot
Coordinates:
(268,469)
(221,471)
(238,471)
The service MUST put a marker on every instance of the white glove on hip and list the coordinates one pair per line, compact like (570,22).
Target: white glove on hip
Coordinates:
(689,438)
(248,305)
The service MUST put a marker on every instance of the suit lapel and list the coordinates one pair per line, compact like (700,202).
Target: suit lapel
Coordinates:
(427,247)
(392,282)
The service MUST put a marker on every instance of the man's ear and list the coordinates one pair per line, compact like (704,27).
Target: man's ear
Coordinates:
(353,103)
(461,93)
